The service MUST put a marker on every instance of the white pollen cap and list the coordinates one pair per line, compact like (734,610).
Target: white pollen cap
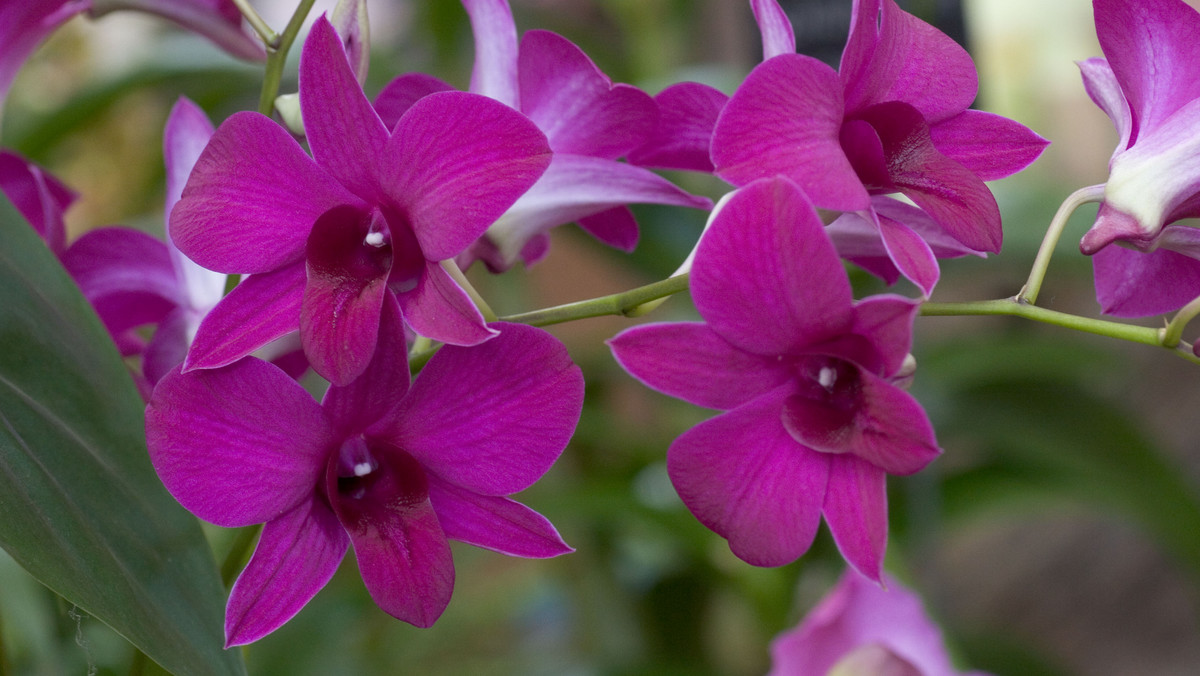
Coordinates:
(362,469)
(827,377)
(374,238)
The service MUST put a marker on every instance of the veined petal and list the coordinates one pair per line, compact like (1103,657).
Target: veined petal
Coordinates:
(744,477)
(1132,283)
(495,523)
(252,198)
(491,418)
(988,145)
(495,71)
(218,20)
(1152,49)
(691,362)
(296,556)
(1102,86)
(455,162)
(401,93)
(912,256)
(356,406)
(786,119)
(766,278)
(893,432)
(687,115)
(38,195)
(238,445)
(23,26)
(776,28)
(125,274)
(440,310)
(893,56)
(576,105)
(343,131)
(887,323)
(260,309)
(856,510)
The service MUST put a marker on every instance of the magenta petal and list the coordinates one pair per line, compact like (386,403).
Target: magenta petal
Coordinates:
(988,145)
(687,115)
(856,510)
(1102,86)
(893,56)
(238,445)
(576,105)
(440,310)
(455,162)
(402,553)
(615,227)
(252,198)
(887,323)
(1135,284)
(401,93)
(168,348)
(776,28)
(786,119)
(23,26)
(343,131)
(745,478)
(125,274)
(766,277)
(260,309)
(894,433)
(912,255)
(691,362)
(495,523)
(492,418)
(296,556)
(355,407)
(39,196)
(495,70)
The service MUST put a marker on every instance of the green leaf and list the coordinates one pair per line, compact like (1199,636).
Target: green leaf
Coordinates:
(80,506)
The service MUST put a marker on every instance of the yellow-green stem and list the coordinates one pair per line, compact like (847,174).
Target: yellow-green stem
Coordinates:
(1029,292)
(256,22)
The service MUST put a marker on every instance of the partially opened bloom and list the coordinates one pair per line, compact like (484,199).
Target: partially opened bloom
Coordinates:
(329,239)
(589,121)
(814,421)
(1149,86)
(863,629)
(391,469)
(893,119)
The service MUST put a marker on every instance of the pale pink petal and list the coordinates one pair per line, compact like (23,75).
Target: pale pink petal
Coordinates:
(988,145)
(856,510)
(691,362)
(495,523)
(238,445)
(495,70)
(125,274)
(349,19)
(492,418)
(439,309)
(260,309)
(401,93)
(744,477)
(296,556)
(218,20)
(687,115)
(1102,86)
(776,28)
(355,407)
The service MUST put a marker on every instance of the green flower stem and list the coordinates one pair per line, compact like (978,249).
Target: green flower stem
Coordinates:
(277,52)
(256,22)
(1092,193)
(1174,331)
(623,304)
(1016,308)
(457,275)
(239,554)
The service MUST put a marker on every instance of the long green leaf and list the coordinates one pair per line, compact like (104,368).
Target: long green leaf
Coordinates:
(80,506)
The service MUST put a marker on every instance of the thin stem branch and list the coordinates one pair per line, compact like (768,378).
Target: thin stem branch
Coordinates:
(622,304)
(1174,331)
(1029,292)
(1013,307)
(457,275)
(256,22)
(277,57)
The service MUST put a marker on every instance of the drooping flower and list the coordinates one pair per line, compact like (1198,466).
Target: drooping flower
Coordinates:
(814,420)
(863,629)
(391,469)
(1149,86)
(893,119)
(327,240)
(589,121)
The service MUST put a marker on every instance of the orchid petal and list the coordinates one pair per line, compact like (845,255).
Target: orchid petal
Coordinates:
(401,93)
(169,346)
(439,309)
(492,418)
(252,198)
(350,20)
(887,323)
(296,556)
(496,53)
(766,277)
(856,510)
(988,145)
(688,113)
(858,239)
(786,119)
(911,254)
(1104,90)
(125,274)
(615,227)
(260,309)
(455,162)
(576,105)
(691,362)
(776,28)
(218,20)
(356,406)
(38,196)
(744,477)
(238,445)
(23,26)
(494,523)
(345,134)
(893,56)
(1135,284)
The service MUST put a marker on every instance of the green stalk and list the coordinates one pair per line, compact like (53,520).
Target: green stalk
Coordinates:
(621,304)
(1174,331)
(256,22)
(277,56)
(1029,292)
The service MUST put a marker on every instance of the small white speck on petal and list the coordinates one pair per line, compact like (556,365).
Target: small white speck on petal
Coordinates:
(373,238)
(827,377)
(362,469)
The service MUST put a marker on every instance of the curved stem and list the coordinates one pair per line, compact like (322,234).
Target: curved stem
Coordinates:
(1174,331)
(1029,292)
(277,57)
(624,304)
(1016,308)
(256,22)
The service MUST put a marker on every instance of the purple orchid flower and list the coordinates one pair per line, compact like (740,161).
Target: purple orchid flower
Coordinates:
(814,421)
(327,240)
(589,121)
(1149,86)
(893,119)
(23,26)
(862,628)
(393,470)
(38,196)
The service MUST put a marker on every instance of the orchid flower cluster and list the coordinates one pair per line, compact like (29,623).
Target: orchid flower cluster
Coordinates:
(319,244)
